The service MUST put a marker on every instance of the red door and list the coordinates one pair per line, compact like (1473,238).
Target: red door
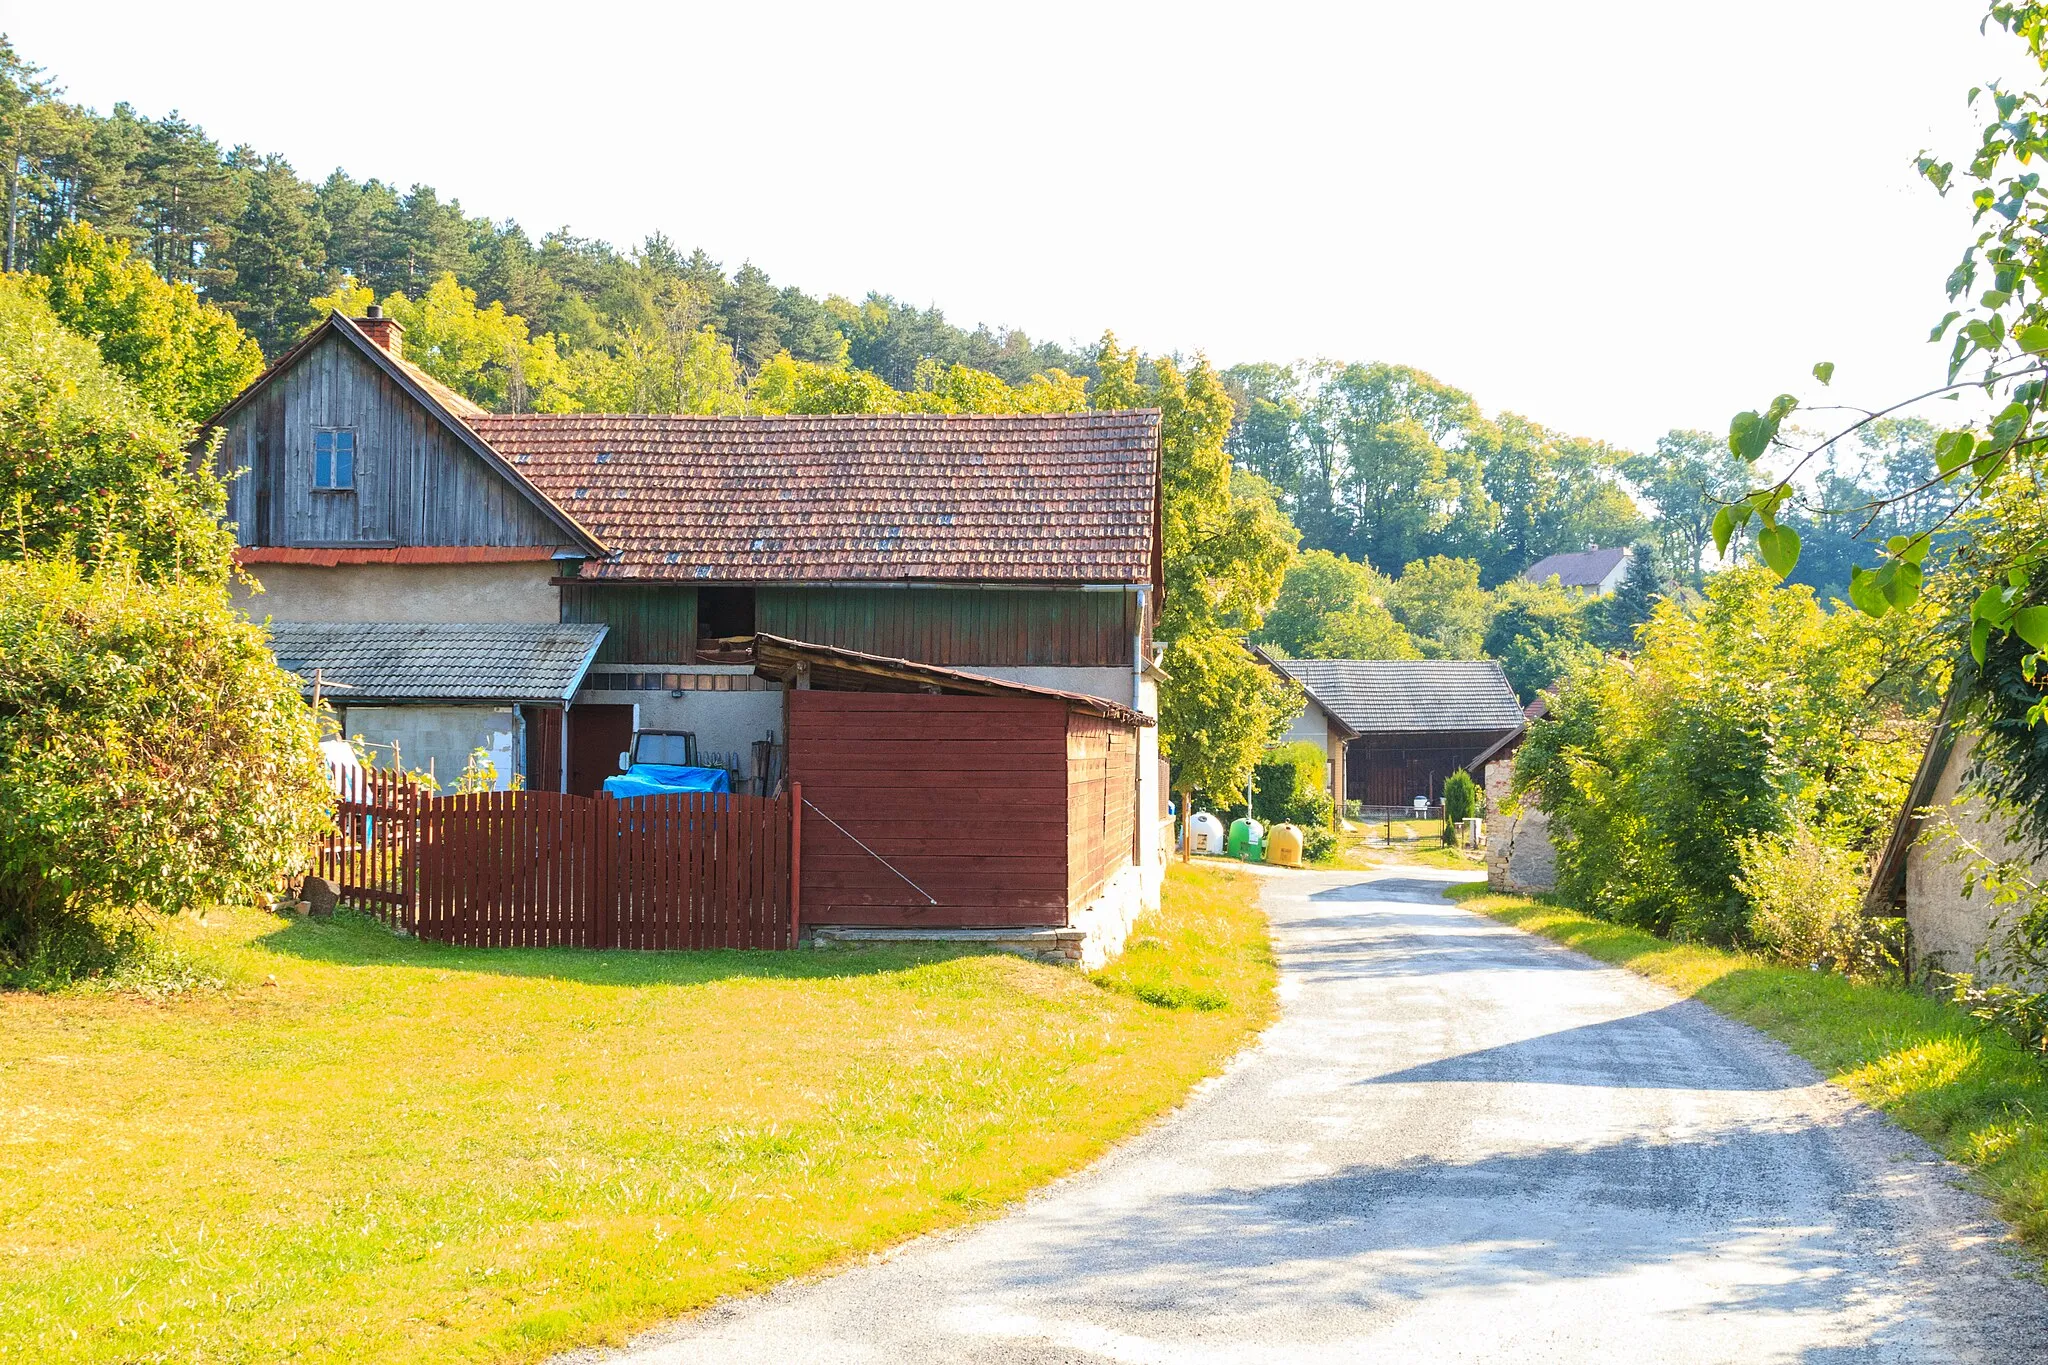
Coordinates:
(597,736)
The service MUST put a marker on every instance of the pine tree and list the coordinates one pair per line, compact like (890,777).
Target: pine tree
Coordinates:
(274,255)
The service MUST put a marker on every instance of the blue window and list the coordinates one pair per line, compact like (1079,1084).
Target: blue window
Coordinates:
(334,459)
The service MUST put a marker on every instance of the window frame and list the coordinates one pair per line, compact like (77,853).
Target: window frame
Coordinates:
(334,444)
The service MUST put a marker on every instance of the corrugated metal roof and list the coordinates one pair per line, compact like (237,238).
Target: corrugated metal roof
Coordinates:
(1062,497)
(368,661)
(1579,569)
(1379,696)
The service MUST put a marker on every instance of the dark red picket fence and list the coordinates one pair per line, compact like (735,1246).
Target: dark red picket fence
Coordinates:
(543,870)
(368,853)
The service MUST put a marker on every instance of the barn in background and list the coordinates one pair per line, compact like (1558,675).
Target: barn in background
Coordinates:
(939,799)
(1417,720)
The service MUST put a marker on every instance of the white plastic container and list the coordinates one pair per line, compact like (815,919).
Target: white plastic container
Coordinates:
(1205,832)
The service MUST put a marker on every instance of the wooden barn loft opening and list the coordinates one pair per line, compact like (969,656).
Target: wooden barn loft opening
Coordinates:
(724,613)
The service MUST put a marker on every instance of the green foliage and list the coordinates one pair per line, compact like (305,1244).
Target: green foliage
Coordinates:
(153,758)
(1386,464)
(186,358)
(1461,797)
(1290,785)
(1805,900)
(1227,548)
(1539,635)
(1441,604)
(1688,477)
(85,465)
(1750,713)
(1332,608)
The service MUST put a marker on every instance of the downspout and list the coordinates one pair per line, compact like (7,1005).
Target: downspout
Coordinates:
(1138,657)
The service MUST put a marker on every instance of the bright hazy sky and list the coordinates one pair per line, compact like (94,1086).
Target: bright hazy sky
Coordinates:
(1614,218)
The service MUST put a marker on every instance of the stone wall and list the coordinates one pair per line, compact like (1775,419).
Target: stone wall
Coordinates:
(1948,927)
(1519,855)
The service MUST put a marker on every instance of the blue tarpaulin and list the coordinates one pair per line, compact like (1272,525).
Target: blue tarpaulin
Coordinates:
(661,779)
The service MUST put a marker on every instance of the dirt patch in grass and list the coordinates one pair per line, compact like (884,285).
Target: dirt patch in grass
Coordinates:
(1974,1095)
(367,1148)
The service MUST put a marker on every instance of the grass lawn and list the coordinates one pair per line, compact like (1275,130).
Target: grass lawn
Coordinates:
(1974,1095)
(368,1148)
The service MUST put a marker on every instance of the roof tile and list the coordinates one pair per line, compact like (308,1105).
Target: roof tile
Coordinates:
(1065,497)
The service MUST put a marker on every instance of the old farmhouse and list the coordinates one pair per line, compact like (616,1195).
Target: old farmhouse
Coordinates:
(1411,722)
(546,587)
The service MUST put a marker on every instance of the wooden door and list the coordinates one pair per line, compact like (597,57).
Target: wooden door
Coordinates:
(597,736)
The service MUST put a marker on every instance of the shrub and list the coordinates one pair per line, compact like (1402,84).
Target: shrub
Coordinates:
(153,759)
(1805,899)
(1461,801)
(1289,787)
(1737,715)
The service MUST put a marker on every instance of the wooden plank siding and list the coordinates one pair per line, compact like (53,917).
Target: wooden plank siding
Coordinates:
(965,796)
(959,628)
(649,625)
(1102,799)
(416,483)
(1392,769)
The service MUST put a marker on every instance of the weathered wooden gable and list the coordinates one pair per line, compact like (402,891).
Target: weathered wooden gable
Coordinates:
(416,480)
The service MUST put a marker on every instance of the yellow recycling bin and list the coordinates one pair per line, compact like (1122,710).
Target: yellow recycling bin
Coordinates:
(1283,845)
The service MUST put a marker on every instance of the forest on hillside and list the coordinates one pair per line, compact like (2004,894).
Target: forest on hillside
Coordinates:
(1376,462)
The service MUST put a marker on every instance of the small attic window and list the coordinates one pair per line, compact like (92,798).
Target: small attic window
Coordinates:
(334,460)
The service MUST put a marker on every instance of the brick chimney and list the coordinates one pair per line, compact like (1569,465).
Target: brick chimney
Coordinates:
(386,332)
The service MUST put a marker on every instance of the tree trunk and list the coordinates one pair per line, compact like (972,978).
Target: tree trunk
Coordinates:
(1187,814)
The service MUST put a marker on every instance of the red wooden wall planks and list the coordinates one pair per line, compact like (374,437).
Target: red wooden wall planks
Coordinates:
(1102,786)
(970,798)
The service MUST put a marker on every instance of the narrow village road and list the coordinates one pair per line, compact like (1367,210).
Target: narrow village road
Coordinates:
(1459,1143)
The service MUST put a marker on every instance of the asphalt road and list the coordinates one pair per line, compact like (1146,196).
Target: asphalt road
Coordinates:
(1458,1143)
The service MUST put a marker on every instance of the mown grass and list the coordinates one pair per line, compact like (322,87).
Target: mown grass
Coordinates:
(1974,1095)
(367,1148)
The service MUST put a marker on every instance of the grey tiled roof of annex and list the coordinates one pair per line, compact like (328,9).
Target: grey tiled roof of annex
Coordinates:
(437,661)
(1577,569)
(1381,696)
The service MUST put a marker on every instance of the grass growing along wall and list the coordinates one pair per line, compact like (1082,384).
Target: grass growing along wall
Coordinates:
(1974,1095)
(368,1148)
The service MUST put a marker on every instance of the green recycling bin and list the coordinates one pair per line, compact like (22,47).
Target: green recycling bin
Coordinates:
(1246,841)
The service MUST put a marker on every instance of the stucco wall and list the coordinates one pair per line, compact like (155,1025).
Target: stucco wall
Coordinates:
(1948,927)
(441,737)
(1519,854)
(404,592)
(724,722)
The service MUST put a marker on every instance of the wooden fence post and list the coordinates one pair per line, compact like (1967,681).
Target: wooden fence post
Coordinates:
(796,861)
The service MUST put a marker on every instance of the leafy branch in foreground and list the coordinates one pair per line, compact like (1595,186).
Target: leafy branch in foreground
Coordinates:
(1999,336)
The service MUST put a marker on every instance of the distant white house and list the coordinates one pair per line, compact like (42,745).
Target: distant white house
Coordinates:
(1591,573)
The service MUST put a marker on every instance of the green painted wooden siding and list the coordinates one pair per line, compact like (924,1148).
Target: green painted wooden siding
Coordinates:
(648,625)
(962,628)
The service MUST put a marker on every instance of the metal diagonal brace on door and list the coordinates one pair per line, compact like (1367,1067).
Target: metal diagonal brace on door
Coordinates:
(871,853)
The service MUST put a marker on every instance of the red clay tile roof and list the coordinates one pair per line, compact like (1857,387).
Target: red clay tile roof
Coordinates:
(1039,498)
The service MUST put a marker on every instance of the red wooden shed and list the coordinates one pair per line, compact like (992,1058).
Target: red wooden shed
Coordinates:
(941,799)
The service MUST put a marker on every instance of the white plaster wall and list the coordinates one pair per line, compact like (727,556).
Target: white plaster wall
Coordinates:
(1107,920)
(728,722)
(404,592)
(1948,927)
(443,736)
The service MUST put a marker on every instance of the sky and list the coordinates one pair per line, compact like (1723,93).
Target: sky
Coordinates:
(1612,218)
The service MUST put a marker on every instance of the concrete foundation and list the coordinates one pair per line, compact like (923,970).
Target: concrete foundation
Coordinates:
(1097,933)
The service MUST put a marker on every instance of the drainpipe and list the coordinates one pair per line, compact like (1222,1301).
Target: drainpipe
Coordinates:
(1138,656)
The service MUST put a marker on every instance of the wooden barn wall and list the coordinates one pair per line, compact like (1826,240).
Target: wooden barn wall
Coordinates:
(416,483)
(654,625)
(967,796)
(1394,769)
(1102,803)
(960,628)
